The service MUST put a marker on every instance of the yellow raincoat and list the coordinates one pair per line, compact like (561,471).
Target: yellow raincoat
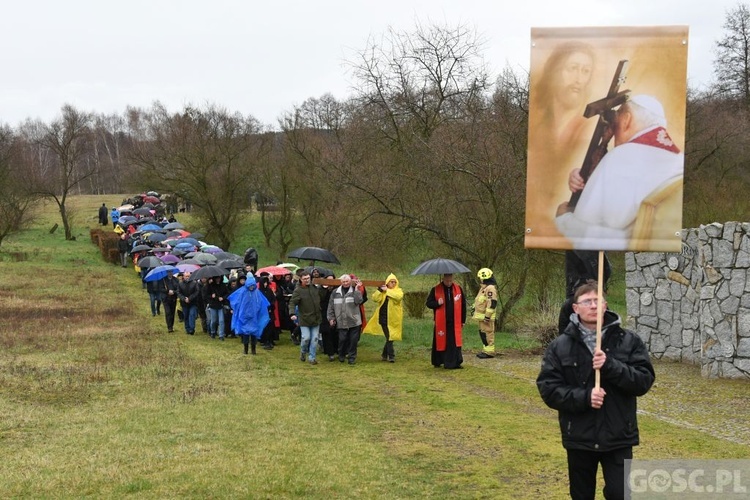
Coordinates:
(395,311)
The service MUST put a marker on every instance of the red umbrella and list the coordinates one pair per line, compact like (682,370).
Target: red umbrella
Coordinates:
(151,199)
(273,271)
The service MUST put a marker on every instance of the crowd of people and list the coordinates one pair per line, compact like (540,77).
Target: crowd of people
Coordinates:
(318,317)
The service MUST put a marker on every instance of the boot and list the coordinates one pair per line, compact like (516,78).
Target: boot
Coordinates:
(245,347)
(252,349)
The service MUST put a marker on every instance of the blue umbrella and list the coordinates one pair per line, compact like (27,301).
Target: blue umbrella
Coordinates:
(192,241)
(158,273)
(149,227)
(185,247)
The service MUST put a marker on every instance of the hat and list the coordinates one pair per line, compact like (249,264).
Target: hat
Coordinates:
(649,103)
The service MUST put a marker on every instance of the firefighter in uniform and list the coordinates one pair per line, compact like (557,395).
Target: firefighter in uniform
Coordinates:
(484,312)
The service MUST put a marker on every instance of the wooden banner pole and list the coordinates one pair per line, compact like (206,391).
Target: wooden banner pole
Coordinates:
(599,313)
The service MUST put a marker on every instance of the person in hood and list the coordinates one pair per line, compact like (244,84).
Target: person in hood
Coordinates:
(484,312)
(103,215)
(388,317)
(249,313)
(599,426)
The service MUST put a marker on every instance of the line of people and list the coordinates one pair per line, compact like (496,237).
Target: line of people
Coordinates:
(331,317)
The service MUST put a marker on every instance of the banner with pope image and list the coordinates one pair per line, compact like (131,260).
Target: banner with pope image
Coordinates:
(606,138)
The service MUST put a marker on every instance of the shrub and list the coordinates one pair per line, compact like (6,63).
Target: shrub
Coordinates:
(415,303)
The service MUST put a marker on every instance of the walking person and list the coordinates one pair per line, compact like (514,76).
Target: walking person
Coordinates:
(168,288)
(154,294)
(114,215)
(484,312)
(268,332)
(249,313)
(306,299)
(448,302)
(599,426)
(103,212)
(388,317)
(215,295)
(328,333)
(345,315)
(123,247)
(189,296)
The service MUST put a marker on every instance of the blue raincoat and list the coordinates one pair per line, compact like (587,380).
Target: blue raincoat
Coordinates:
(250,309)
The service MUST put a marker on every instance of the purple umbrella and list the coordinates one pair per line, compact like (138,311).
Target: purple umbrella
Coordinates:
(183,267)
(170,259)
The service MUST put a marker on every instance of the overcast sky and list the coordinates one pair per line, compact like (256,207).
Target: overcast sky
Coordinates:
(262,58)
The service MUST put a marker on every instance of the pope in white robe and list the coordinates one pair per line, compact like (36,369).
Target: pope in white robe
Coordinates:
(643,159)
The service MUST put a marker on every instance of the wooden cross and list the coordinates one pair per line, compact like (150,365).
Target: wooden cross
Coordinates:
(604,130)
(336,282)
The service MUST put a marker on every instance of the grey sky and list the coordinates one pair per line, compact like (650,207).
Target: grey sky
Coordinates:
(262,58)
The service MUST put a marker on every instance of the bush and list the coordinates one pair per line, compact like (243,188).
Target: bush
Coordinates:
(415,303)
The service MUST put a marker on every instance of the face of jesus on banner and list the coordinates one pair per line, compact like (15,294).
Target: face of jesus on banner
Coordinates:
(574,78)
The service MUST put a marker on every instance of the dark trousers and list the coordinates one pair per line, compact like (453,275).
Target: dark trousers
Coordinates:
(582,468)
(388,352)
(203,317)
(348,340)
(248,340)
(169,310)
(330,340)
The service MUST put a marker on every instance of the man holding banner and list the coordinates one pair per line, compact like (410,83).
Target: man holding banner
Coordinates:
(598,423)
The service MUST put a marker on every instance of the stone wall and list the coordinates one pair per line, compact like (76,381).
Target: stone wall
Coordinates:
(694,306)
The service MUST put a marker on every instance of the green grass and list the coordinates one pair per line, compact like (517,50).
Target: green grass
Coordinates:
(97,400)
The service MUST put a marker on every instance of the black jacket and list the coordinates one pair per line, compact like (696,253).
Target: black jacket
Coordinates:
(567,378)
(211,293)
(167,284)
(188,289)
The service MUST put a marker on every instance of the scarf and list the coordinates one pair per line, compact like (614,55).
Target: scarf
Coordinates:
(441,326)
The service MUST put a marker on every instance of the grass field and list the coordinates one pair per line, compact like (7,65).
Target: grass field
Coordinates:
(97,400)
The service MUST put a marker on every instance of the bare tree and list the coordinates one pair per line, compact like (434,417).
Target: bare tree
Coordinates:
(426,147)
(68,143)
(732,63)
(420,80)
(209,156)
(16,201)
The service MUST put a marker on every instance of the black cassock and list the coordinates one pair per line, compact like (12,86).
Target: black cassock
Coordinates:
(451,357)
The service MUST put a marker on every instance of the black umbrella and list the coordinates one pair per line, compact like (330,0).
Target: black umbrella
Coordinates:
(227,255)
(142,211)
(231,263)
(149,262)
(141,248)
(208,272)
(197,236)
(313,254)
(154,237)
(440,266)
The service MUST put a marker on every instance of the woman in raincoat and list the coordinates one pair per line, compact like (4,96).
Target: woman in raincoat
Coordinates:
(389,315)
(249,312)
